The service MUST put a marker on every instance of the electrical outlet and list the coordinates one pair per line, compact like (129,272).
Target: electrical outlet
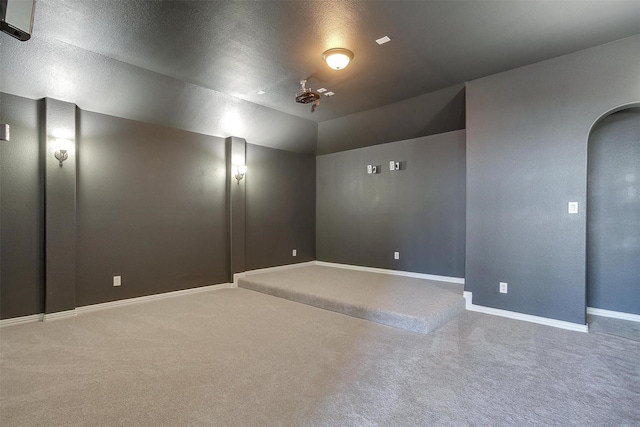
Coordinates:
(117,280)
(392,165)
(369,169)
(294,253)
(504,287)
(396,255)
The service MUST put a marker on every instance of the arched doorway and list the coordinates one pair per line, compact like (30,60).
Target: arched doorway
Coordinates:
(613,213)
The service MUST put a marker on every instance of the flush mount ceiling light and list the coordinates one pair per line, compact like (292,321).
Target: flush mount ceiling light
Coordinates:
(337,58)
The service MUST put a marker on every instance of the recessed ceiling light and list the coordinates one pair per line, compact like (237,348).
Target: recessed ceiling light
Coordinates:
(261,92)
(337,58)
(383,40)
(329,94)
(321,90)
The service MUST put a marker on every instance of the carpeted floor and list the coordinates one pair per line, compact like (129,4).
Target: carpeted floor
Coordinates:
(416,305)
(235,357)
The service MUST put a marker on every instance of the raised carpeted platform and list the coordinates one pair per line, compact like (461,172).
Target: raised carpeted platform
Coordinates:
(416,305)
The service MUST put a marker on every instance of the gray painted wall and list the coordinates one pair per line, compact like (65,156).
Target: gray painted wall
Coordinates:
(527,132)
(613,220)
(280,207)
(21,210)
(418,211)
(429,114)
(151,208)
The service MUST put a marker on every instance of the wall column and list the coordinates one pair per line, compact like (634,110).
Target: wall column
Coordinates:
(235,151)
(60,208)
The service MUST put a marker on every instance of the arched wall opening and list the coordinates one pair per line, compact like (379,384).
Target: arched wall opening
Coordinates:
(613,212)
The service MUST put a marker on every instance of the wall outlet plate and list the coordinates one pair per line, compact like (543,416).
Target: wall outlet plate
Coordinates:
(504,287)
(117,280)
(295,252)
(369,169)
(573,207)
(396,255)
(392,165)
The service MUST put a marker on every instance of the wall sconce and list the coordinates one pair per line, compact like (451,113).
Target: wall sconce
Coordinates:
(240,171)
(62,148)
(4,132)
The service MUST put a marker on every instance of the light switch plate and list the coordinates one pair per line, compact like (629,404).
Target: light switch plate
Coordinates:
(117,280)
(573,207)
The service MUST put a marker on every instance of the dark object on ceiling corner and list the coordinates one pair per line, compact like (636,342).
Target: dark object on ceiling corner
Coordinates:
(16,18)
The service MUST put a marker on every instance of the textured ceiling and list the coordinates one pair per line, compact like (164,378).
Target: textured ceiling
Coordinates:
(238,48)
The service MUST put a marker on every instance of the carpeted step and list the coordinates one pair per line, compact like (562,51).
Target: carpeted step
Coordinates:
(416,305)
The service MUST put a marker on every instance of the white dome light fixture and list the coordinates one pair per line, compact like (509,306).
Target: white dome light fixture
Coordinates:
(337,58)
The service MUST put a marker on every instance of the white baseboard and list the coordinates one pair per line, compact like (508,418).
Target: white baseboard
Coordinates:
(269,269)
(458,280)
(613,314)
(105,305)
(448,279)
(155,297)
(59,315)
(468,296)
(22,319)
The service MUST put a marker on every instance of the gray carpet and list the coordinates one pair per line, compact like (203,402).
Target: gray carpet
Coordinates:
(234,357)
(416,305)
